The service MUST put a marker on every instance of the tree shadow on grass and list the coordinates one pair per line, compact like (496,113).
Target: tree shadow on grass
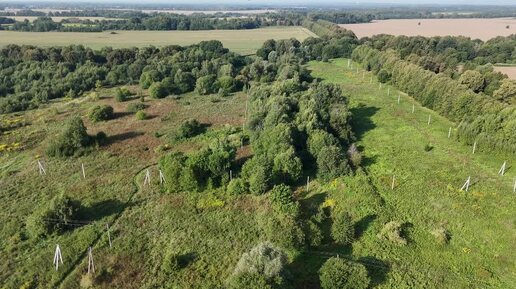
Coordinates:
(99,210)
(361,120)
(376,269)
(363,224)
(123,136)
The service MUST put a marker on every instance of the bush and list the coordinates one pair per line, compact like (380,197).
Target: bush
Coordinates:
(283,201)
(384,76)
(189,128)
(331,163)
(342,230)
(171,262)
(442,236)
(101,113)
(265,262)
(342,274)
(136,106)
(236,187)
(141,115)
(122,94)
(206,84)
(354,156)
(248,281)
(428,147)
(52,218)
(158,90)
(392,232)
(282,229)
(74,140)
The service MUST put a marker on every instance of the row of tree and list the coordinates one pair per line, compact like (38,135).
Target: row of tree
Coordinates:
(483,119)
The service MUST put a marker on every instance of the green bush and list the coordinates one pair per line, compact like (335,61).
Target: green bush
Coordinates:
(141,115)
(342,274)
(236,187)
(136,106)
(354,156)
(331,163)
(73,141)
(206,84)
(189,128)
(158,90)
(283,201)
(384,76)
(392,232)
(342,229)
(54,217)
(122,94)
(261,267)
(171,262)
(101,113)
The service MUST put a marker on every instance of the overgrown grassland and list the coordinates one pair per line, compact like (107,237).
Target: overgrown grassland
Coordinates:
(426,193)
(241,41)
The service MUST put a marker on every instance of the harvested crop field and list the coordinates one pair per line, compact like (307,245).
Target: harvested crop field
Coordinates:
(241,41)
(509,70)
(483,29)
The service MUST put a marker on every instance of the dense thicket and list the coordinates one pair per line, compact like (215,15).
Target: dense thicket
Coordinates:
(490,122)
(30,76)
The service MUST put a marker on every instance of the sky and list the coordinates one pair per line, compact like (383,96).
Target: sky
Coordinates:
(292,2)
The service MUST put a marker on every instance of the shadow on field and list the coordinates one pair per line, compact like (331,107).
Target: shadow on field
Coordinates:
(361,121)
(121,114)
(102,209)
(376,269)
(123,136)
(363,224)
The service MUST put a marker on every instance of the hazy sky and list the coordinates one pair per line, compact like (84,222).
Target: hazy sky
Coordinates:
(294,2)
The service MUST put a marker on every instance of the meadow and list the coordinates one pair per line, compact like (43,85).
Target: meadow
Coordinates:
(510,71)
(483,29)
(211,231)
(240,41)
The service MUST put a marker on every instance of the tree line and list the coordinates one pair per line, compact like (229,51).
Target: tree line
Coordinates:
(480,118)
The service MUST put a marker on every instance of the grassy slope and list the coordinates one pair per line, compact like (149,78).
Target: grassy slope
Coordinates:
(241,41)
(481,222)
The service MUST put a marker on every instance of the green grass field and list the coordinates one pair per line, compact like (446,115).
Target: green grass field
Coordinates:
(212,231)
(426,193)
(241,41)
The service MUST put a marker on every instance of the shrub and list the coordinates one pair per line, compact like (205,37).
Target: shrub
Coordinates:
(122,94)
(343,274)
(136,106)
(342,230)
(263,260)
(384,76)
(283,201)
(248,281)
(354,156)
(74,140)
(189,128)
(442,236)
(101,113)
(100,138)
(331,163)
(236,187)
(392,232)
(292,234)
(52,218)
(206,84)
(428,147)
(141,115)
(158,90)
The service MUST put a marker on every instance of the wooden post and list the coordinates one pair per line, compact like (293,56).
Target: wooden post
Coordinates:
(363,75)
(91,266)
(108,235)
(389,91)
(371,79)
(307,182)
(392,184)
(466,184)
(83,171)
(399,96)
(474,147)
(502,169)
(429,118)
(41,169)
(161,177)
(514,187)
(349,62)
(58,257)
(413,107)
(146,181)
(357,69)
(449,132)
(230,175)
